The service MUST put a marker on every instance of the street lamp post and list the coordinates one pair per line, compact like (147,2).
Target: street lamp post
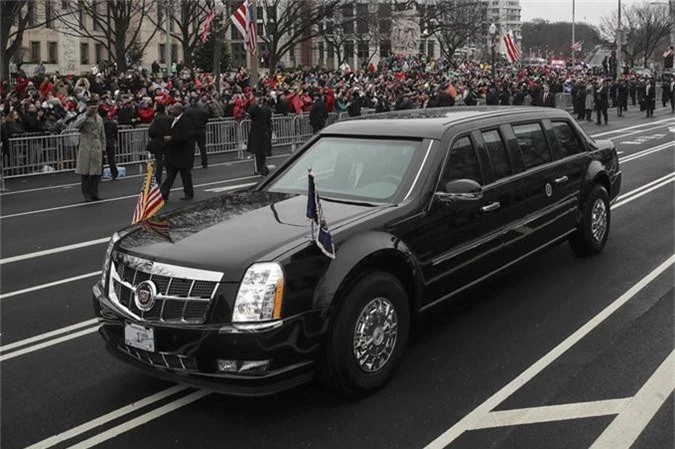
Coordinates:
(493,32)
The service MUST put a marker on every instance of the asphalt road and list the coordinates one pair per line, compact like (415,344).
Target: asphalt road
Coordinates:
(558,353)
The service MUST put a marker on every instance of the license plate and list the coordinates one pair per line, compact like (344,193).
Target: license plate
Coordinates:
(139,337)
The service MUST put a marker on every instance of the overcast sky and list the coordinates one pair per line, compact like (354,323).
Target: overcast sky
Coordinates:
(561,10)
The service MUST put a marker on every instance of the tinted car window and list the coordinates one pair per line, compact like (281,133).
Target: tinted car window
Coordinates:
(351,168)
(497,151)
(567,138)
(533,146)
(463,163)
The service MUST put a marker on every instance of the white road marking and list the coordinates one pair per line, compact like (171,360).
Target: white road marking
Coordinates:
(646,152)
(632,127)
(643,192)
(104,419)
(48,343)
(47,252)
(126,197)
(63,330)
(49,284)
(228,188)
(532,415)
(479,413)
(645,186)
(62,186)
(140,420)
(631,422)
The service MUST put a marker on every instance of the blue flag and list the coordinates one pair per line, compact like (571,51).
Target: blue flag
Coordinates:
(322,238)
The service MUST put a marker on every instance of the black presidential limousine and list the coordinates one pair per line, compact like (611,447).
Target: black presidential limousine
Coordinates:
(421,205)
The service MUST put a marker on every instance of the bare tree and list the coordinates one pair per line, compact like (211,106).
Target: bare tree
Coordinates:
(186,19)
(116,25)
(456,23)
(291,22)
(645,26)
(16,17)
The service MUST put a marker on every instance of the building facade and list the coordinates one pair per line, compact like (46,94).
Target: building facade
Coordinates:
(373,29)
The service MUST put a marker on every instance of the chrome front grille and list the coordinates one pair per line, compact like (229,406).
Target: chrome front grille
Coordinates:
(183,294)
(161,359)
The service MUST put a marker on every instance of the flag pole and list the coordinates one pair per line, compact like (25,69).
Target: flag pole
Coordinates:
(573,30)
(254,57)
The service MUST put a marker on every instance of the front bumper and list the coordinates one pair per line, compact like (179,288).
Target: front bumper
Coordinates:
(189,354)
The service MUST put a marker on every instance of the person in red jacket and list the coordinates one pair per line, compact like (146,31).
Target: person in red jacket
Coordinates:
(330,99)
(145,113)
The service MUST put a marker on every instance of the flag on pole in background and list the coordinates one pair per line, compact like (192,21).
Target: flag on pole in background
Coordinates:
(243,20)
(322,238)
(206,29)
(577,46)
(150,201)
(512,49)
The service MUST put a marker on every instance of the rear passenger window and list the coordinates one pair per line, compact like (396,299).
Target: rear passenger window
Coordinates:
(533,146)
(498,154)
(463,163)
(568,139)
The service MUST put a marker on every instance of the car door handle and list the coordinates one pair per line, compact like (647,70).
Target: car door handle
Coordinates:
(562,180)
(491,207)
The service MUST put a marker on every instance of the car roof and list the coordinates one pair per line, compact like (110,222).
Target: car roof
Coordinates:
(431,123)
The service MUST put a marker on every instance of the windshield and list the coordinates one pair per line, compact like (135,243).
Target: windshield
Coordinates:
(368,170)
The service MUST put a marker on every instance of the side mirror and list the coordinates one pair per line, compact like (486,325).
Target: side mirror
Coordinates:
(461,190)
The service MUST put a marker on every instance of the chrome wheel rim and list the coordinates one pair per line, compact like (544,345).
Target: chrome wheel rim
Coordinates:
(375,335)
(599,220)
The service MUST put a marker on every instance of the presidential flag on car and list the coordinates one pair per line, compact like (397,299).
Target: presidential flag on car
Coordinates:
(243,20)
(150,201)
(320,233)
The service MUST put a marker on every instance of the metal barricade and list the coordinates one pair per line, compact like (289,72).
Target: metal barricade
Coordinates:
(303,129)
(283,130)
(222,136)
(36,153)
(563,101)
(132,144)
(333,117)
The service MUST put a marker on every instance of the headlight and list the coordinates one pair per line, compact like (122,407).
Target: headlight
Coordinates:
(108,255)
(260,294)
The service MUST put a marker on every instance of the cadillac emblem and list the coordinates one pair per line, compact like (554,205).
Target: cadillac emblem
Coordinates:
(144,295)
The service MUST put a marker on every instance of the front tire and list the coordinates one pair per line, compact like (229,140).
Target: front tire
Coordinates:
(591,236)
(367,339)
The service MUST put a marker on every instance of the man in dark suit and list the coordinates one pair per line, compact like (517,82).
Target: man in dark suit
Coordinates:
(547,98)
(650,97)
(260,136)
(160,127)
(601,98)
(318,115)
(199,116)
(180,150)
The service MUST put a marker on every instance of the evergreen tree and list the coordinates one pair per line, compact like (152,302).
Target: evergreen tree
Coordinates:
(203,55)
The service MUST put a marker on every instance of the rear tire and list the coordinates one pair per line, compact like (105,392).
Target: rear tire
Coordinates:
(591,236)
(367,338)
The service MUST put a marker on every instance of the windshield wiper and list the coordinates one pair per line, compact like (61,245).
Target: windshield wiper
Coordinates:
(355,203)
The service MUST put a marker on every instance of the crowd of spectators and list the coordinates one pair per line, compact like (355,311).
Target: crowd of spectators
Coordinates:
(49,102)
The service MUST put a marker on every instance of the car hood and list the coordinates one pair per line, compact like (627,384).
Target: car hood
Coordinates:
(229,233)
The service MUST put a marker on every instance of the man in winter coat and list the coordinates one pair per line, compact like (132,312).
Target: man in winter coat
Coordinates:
(179,153)
(110,129)
(318,115)
(260,136)
(199,116)
(160,127)
(90,151)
